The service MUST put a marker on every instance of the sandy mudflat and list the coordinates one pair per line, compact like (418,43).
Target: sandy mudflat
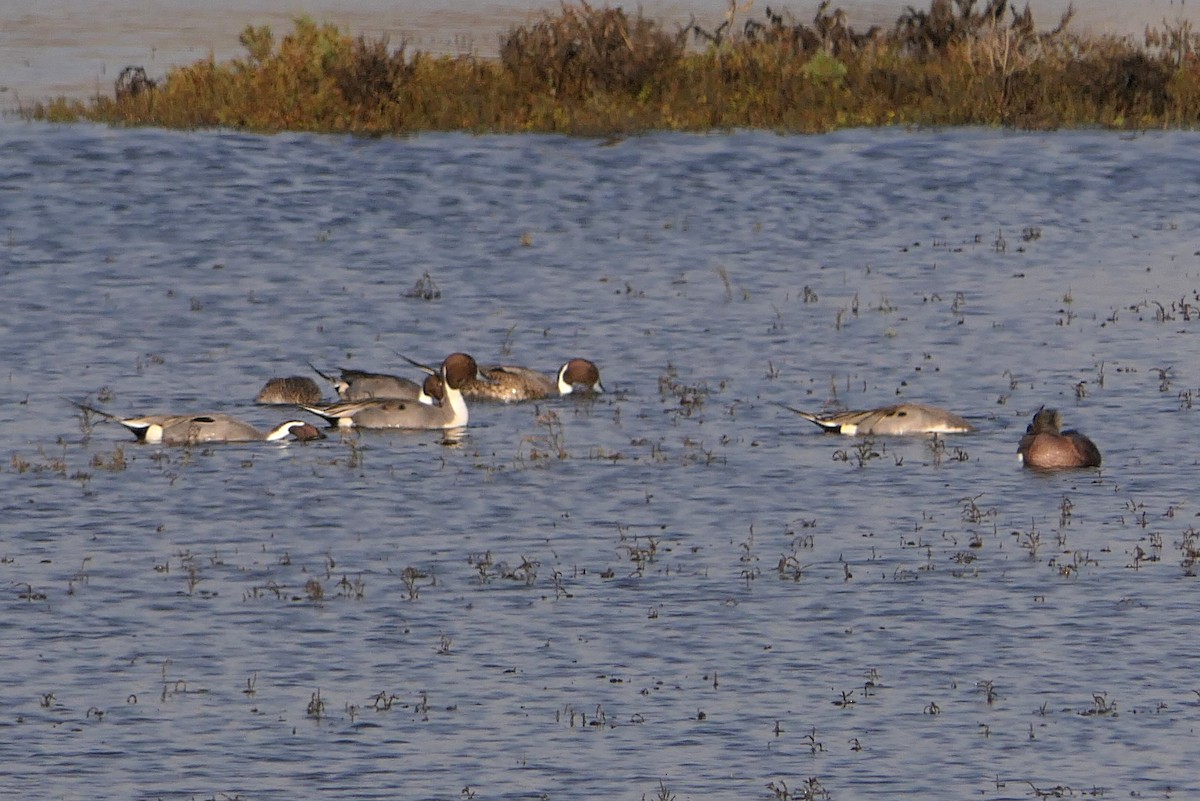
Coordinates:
(78,47)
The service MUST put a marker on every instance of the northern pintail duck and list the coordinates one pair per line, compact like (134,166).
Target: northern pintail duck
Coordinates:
(898,420)
(356,385)
(456,370)
(191,429)
(1045,447)
(290,391)
(509,383)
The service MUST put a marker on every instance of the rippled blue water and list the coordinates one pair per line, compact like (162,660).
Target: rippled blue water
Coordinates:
(704,596)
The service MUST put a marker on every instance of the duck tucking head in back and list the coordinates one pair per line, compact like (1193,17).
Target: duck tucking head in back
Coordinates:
(292,390)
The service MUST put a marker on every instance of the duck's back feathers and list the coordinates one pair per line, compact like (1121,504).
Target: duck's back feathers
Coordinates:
(901,419)
(292,390)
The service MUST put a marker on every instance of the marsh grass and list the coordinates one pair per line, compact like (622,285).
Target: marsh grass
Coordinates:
(602,71)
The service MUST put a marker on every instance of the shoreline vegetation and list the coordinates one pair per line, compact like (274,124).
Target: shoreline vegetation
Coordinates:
(598,71)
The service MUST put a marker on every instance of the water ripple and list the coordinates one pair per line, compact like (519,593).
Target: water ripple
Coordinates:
(705,591)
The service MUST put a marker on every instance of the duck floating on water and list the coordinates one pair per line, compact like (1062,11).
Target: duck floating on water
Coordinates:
(510,383)
(292,390)
(456,369)
(901,419)
(205,427)
(1045,447)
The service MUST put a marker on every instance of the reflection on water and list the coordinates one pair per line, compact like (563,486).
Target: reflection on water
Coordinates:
(675,582)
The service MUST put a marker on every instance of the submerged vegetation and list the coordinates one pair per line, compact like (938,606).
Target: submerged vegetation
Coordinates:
(586,70)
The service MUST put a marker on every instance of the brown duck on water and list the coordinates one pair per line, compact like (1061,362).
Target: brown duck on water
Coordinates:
(290,391)
(1045,447)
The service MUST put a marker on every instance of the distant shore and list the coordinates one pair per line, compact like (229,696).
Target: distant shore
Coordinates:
(76,48)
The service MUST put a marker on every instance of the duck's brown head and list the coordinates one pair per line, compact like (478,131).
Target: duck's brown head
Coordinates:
(432,386)
(458,369)
(579,372)
(1045,421)
(306,431)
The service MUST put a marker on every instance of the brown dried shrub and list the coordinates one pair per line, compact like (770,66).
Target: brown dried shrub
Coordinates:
(584,50)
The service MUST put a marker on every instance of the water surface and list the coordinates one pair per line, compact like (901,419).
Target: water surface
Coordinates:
(693,586)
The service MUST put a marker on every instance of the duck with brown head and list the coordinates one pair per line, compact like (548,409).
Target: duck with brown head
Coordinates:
(456,369)
(190,429)
(510,383)
(579,375)
(206,427)
(1045,447)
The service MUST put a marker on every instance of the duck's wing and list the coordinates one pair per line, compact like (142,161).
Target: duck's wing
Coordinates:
(350,374)
(524,383)
(910,418)
(902,419)
(898,420)
(511,369)
(1088,452)
(345,413)
(334,412)
(208,427)
(359,385)
(141,427)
